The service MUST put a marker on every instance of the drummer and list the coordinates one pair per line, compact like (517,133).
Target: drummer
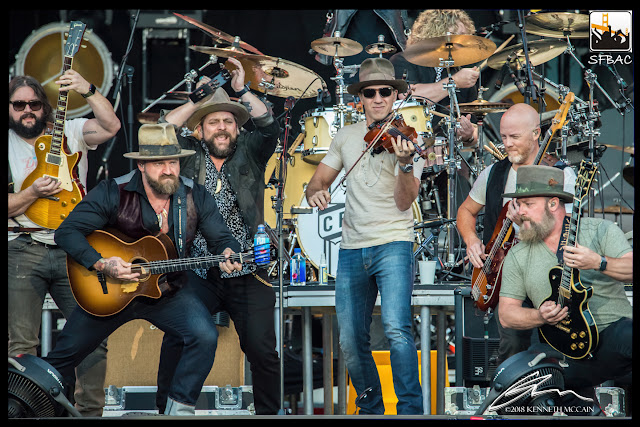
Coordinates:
(427,82)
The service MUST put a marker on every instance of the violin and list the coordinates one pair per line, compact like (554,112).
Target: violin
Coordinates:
(383,133)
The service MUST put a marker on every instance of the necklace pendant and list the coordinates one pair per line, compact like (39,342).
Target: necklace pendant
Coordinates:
(159,216)
(218,185)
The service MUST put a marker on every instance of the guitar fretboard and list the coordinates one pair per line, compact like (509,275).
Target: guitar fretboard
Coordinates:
(61,113)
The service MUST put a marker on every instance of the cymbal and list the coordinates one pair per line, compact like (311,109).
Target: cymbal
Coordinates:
(279,77)
(464,49)
(614,209)
(336,46)
(540,51)
(482,106)
(380,48)
(558,24)
(628,150)
(224,52)
(148,118)
(217,34)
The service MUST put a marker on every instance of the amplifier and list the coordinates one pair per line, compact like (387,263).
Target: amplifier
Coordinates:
(479,357)
(213,400)
(166,19)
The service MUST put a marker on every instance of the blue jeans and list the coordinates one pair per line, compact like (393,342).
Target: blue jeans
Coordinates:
(182,314)
(361,274)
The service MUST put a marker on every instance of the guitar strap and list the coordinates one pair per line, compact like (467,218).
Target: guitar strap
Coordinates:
(180,215)
(566,223)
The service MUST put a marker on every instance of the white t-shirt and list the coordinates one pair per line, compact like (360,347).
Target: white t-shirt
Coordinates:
(22,160)
(371,217)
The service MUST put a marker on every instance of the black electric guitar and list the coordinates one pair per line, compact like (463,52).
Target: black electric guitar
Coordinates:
(53,161)
(151,256)
(577,335)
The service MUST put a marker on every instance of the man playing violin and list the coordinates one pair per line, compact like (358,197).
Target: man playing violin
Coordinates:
(376,250)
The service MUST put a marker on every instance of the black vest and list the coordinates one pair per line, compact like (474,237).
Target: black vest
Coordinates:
(497,180)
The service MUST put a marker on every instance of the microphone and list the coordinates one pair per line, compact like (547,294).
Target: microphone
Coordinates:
(289,103)
(106,155)
(518,82)
(619,79)
(503,74)
(434,223)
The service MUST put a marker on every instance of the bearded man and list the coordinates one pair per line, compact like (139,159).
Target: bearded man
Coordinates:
(151,200)
(603,257)
(230,162)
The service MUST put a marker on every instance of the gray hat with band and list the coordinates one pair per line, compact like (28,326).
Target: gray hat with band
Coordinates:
(540,181)
(156,142)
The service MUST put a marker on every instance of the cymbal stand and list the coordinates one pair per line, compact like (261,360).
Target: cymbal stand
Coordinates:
(338,63)
(530,91)
(189,79)
(453,123)
(591,132)
(480,151)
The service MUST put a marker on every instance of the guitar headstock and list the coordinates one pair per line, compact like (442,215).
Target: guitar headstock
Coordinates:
(584,179)
(76,32)
(561,116)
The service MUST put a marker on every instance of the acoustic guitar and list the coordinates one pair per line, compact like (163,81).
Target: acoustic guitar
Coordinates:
(577,335)
(487,280)
(52,159)
(152,256)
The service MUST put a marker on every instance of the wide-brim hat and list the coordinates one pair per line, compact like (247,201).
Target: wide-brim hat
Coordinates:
(377,71)
(220,101)
(156,142)
(540,181)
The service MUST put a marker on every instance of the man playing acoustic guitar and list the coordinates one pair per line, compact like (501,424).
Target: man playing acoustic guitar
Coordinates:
(152,200)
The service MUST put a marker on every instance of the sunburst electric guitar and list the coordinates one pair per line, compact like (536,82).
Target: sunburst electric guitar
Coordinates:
(52,160)
(486,280)
(577,335)
(151,256)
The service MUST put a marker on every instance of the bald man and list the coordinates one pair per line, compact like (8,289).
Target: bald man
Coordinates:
(520,132)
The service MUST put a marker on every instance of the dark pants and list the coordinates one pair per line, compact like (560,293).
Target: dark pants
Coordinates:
(512,341)
(250,305)
(182,314)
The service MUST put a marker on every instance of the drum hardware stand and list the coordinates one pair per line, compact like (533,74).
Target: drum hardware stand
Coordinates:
(591,132)
(189,79)
(530,93)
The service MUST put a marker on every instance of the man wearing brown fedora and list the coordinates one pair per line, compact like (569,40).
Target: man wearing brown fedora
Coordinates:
(230,163)
(602,256)
(376,250)
(152,199)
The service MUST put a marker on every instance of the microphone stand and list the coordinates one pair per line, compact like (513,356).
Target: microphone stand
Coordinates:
(530,92)
(116,89)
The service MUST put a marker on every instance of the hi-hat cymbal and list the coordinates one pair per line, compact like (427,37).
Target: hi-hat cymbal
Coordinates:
(380,48)
(279,77)
(224,52)
(558,24)
(336,46)
(540,51)
(217,34)
(628,150)
(614,209)
(482,106)
(148,118)
(464,50)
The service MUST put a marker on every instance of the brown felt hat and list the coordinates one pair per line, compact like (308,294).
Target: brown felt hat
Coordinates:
(377,71)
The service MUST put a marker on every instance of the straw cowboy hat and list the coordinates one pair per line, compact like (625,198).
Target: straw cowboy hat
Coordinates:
(158,141)
(540,181)
(220,101)
(377,71)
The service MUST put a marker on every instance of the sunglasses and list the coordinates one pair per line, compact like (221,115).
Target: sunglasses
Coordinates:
(385,92)
(20,105)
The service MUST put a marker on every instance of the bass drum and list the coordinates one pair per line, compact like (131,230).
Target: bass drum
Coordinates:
(41,54)
(321,231)
(511,95)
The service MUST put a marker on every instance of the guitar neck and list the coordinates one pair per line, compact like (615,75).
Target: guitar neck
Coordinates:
(543,147)
(172,265)
(61,113)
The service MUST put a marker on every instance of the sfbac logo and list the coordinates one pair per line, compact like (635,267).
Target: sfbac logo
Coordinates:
(610,31)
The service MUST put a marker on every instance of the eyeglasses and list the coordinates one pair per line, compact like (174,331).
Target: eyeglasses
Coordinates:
(20,105)
(385,92)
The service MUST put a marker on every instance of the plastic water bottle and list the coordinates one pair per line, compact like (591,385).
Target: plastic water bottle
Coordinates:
(298,269)
(323,276)
(261,246)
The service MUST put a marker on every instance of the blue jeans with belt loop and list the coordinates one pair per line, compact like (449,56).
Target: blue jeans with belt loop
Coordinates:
(361,273)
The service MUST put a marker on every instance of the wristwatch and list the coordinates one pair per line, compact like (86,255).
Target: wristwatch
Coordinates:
(603,263)
(92,90)
(406,168)
(242,91)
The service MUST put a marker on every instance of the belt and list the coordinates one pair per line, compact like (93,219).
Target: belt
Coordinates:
(28,238)
(19,229)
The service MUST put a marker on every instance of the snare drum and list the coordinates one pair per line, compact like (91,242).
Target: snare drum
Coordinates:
(321,231)
(320,127)
(41,57)
(417,115)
